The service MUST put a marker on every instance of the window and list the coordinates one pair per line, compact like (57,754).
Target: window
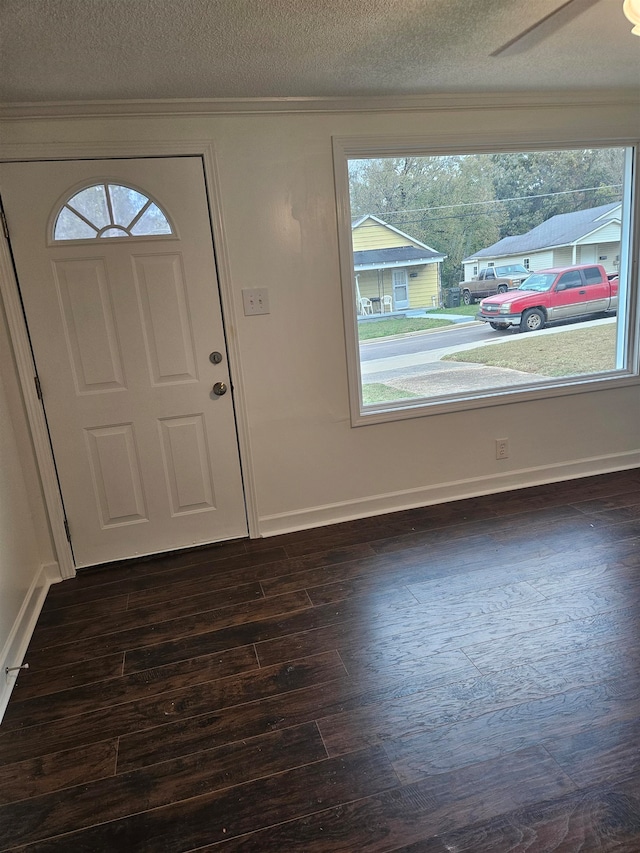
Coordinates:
(443,212)
(569,279)
(109,210)
(593,275)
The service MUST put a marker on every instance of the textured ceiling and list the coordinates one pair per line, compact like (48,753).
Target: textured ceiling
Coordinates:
(69,50)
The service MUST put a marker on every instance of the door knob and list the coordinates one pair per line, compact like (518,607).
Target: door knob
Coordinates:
(219,389)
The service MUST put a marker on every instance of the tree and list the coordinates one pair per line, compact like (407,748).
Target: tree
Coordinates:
(460,204)
(535,186)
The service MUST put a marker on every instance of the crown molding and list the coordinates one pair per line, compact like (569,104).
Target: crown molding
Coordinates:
(270,106)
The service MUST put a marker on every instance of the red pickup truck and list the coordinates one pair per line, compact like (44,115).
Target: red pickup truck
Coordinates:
(560,293)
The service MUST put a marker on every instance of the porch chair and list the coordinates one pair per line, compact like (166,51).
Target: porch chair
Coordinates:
(387,300)
(366,306)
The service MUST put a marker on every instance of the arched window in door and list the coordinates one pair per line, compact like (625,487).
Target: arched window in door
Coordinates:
(110,210)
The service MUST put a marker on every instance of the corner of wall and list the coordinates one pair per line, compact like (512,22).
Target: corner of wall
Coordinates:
(18,640)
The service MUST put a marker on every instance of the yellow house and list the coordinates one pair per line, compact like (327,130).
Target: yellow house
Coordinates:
(393,271)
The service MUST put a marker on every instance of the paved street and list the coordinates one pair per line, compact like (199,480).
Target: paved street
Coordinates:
(466,333)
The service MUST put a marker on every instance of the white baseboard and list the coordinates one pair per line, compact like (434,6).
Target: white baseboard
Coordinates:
(319,516)
(16,646)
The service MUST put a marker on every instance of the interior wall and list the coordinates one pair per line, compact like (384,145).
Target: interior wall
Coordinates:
(308,465)
(27,564)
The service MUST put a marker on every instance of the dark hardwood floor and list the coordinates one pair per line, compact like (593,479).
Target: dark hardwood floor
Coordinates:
(463,677)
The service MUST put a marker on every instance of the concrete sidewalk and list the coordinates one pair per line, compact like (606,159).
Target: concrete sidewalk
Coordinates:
(425,375)
(455,318)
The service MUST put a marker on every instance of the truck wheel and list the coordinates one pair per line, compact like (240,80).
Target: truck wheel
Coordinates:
(532,320)
(467,298)
(502,288)
(499,327)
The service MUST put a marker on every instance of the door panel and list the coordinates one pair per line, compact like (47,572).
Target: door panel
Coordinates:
(186,463)
(89,325)
(165,320)
(116,474)
(121,329)
(597,288)
(570,301)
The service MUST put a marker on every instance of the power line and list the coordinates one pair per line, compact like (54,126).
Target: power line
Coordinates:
(424,219)
(499,200)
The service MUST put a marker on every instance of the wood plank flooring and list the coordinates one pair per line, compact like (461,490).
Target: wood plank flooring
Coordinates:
(463,677)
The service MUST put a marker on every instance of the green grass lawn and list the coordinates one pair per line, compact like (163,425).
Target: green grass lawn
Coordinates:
(569,353)
(370,329)
(376,392)
(465,310)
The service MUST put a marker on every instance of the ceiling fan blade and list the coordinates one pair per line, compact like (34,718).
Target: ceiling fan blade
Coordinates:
(568,11)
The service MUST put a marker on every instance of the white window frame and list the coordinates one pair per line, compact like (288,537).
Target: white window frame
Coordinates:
(628,338)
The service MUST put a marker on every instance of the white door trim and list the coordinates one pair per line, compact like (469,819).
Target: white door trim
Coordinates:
(34,410)
(20,338)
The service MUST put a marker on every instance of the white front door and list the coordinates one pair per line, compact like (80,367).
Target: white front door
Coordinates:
(400,288)
(123,318)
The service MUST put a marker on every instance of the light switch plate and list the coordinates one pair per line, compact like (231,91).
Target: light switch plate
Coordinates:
(255,301)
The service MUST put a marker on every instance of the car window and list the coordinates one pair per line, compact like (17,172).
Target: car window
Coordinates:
(592,275)
(539,282)
(511,269)
(571,279)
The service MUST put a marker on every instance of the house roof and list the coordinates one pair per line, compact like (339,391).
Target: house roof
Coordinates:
(405,256)
(401,256)
(564,229)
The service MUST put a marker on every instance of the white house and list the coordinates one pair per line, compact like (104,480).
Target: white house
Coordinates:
(581,237)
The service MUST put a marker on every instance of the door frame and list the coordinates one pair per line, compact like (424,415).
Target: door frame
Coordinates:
(19,335)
